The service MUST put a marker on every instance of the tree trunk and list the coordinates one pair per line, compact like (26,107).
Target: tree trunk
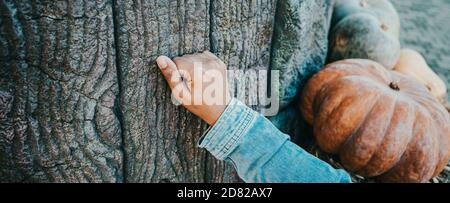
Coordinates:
(81,99)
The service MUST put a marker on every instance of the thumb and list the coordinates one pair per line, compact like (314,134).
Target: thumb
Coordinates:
(174,79)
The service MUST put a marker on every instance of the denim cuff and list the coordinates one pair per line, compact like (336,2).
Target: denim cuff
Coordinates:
(222,138)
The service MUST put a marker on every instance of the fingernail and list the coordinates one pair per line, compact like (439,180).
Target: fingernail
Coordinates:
(162,62)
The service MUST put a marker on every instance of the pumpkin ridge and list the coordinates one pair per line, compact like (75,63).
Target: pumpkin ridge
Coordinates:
(331,113)
(389,124)
(339,105)
(310,92)
(359,132)
(396,172)
(367,114)
(438,151)
(362,121)
(391,171)
(395,147)
(317,106)
(324,91)
(445,154)
(430,104)
(438,114)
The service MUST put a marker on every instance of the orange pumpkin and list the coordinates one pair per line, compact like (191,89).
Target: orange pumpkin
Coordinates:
(380,123)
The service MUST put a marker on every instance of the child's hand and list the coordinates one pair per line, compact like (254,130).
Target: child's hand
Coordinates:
(199,83)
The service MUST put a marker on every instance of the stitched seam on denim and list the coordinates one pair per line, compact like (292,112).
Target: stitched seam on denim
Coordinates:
(233,116)
(234,131)
(249,117)
(219,128)
(246,122)
(218,147)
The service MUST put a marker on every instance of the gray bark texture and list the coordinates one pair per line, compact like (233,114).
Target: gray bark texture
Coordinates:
(81,99)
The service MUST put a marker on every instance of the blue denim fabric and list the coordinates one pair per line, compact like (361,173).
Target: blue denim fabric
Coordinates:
(261,153)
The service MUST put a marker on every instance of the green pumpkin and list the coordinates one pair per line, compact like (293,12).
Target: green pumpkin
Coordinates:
(364,36)
(381,9)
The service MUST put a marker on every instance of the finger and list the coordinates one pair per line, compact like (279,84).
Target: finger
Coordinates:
(173,78)
(169,70)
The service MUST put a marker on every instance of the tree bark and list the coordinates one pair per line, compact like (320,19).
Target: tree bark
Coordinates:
(81,99)
(58,93)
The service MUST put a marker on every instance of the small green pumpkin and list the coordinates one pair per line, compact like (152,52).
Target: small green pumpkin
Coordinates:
(383,10)
(365,29)
(363,36)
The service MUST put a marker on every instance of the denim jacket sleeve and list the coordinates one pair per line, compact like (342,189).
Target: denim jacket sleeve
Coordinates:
(261,153)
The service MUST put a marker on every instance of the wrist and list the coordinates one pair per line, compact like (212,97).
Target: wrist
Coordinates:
(217,113)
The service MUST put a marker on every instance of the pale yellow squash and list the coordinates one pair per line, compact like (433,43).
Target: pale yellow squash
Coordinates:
(412,63)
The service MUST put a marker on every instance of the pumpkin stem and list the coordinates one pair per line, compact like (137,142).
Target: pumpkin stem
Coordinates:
(384,27)
(341,41)
(394,86)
